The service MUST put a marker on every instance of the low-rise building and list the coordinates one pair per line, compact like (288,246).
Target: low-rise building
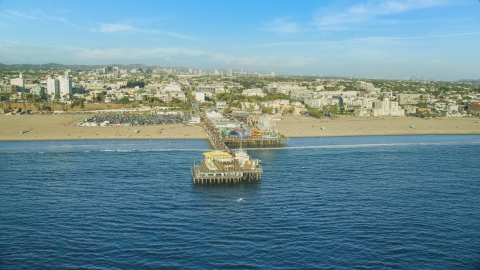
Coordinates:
(19,82)
(253,92)
(277,104)
(474,108)
(37,90)
(220,105)
(411,99)
(200,96)
(364,86)
(8,88)
(452,110)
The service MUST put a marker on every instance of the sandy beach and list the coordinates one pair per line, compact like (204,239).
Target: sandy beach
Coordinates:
(303,126)
(63,127)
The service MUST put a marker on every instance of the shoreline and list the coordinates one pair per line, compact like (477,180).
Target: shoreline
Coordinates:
(203,139)
(386,135)
(63,128)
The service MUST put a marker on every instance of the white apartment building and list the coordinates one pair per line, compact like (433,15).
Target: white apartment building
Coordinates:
(343,94)
(220,105)
(61,86)
(387,108)
(172,87)
(286,88)
(319,102)
(365,86)
(253,92)
(199,96)
(277,104)
(363,102)
(19,82)
(320,99)
(65,85)
(452,110)
(250,106)
(53,86)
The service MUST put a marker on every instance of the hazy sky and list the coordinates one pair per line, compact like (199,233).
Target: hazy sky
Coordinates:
(437,39)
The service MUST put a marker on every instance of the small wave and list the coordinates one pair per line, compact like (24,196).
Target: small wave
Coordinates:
(73,150)
(155,150)
(340,146)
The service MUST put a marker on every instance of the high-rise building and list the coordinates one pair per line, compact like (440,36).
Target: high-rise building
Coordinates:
(61,86)
(53,86)
(248,72)
(107,70)
(65,85)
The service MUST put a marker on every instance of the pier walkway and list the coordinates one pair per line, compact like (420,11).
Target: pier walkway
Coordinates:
(215,137)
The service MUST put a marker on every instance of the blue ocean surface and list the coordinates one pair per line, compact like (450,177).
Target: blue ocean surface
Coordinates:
(380,202)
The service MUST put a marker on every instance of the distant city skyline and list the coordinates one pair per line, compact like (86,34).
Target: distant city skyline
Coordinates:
(436,39)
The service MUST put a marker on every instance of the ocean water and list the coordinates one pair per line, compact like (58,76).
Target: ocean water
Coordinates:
(395,202)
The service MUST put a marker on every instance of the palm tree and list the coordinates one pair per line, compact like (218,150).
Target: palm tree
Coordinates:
(334,109)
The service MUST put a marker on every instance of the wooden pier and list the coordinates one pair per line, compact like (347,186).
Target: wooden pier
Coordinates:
(220,167)
(225,177)
(256,142)
(223,167)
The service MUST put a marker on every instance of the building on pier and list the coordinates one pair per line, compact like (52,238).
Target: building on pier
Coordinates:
(220,167)
(279,141)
